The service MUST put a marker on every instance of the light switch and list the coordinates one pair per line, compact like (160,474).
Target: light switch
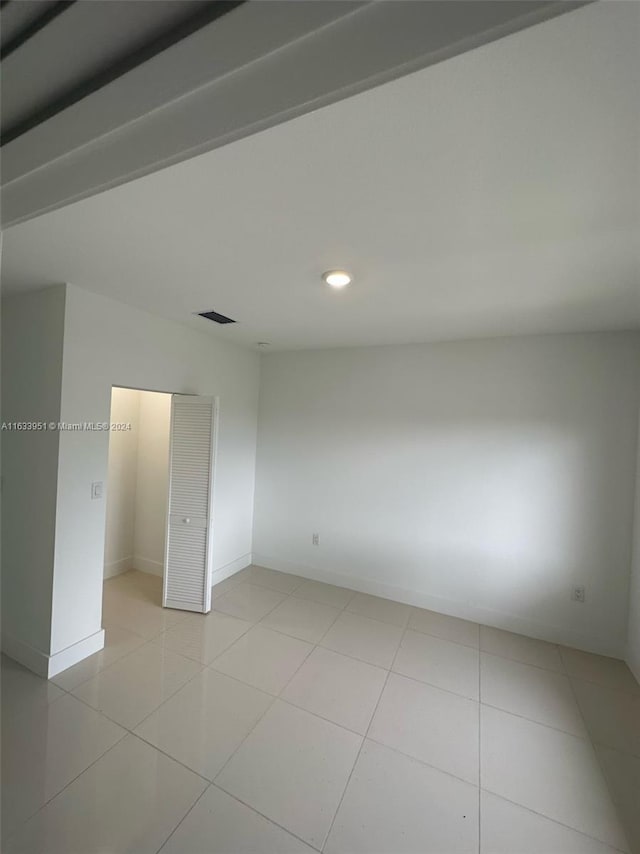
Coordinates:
(96,489)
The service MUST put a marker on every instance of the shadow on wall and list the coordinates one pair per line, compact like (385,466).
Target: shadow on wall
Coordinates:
(137,482)
(496,522)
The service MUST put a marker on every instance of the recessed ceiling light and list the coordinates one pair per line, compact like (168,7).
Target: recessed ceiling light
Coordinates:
(337,278)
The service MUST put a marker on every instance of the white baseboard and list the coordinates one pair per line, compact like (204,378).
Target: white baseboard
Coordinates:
(634,666)
(46,665)
(153,567)
(30,657)
(145,564)
(73,654)
(451,607)
(117,567)
(231,568)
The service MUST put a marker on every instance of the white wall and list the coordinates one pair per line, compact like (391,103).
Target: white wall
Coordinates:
(32,328)
(633,637)
(107,343)
(121,482)
(152,474)
(480,478)
(137,482)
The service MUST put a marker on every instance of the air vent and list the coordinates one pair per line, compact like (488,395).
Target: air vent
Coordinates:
(217,318)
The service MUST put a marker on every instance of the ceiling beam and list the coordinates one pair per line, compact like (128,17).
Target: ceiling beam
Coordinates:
(33,27)
(210,12)
(259,65)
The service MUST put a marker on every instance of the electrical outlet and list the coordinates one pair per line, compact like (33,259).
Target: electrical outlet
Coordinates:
(315,539)
(578,593)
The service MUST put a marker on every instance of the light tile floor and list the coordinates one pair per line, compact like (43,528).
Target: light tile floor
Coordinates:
(299,716)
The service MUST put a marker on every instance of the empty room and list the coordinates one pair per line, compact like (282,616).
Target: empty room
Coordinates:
(320,427)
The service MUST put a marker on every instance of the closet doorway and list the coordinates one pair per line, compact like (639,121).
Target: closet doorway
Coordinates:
(137,482)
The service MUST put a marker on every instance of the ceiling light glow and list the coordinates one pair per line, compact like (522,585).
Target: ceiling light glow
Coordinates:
(337,278)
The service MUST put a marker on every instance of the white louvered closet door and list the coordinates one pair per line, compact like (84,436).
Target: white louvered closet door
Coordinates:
(188,553)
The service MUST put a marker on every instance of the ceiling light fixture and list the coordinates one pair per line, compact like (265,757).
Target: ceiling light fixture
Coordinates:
(336,278)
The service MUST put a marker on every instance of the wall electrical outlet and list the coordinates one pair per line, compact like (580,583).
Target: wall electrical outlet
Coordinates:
(578,593)
(315,539)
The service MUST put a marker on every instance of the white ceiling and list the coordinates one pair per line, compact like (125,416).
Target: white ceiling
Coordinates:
(495,193)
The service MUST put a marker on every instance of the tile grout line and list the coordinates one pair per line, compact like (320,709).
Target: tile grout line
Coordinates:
(266,614)
(134,734)
(274,698)
(144,643)
(554,821)
(389,671)
(558,647)
(188,813)
(316,645)
(64,788)
(421,762)
(614,801)
(364,738)
(265,817)
(537,723)
(199,660)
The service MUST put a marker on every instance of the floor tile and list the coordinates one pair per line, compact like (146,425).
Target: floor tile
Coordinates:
(249,602)
(133,687)
(360,637)
(219,824)
(608,672)
(203,637)
(140,616)
(612,717)
(140,585)
(293,768)
(534,693)
(520,648)
(263,658)
(21,689)
(283,582)
(395,804)
(549,772)
(328,594)
(205,721)
(228,584)
(379,609)
(439,662)
(431,725)
(128,801)
(44,749)
(119,642)
(302,618)
(338,688)
(443,626)
(622,773)
(510,829)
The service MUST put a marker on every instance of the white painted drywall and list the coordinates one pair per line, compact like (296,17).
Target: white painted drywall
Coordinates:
(152,477)
(479,478)
(107,343)
(121,482)
(32,330)
(633,637)
(137,482)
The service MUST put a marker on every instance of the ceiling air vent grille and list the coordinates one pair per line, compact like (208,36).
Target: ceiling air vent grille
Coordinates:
(217,318)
